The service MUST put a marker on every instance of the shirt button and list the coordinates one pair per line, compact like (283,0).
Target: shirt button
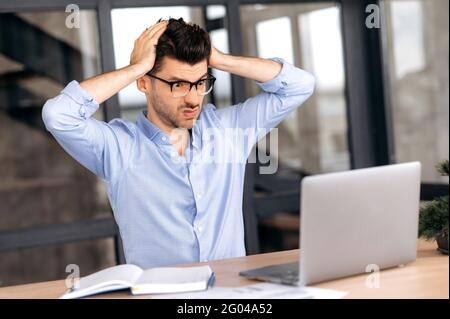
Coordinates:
(82,112)
(164,138)
(198,229)
(199,196)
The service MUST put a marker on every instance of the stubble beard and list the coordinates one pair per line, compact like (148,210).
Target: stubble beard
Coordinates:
(169,119)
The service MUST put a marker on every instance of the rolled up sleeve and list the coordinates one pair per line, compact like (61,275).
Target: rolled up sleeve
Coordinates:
(101,147)
(281,95)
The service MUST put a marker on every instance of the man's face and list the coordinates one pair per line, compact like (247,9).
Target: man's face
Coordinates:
(179,112)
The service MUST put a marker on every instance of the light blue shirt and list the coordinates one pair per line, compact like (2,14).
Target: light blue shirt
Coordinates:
(174,209)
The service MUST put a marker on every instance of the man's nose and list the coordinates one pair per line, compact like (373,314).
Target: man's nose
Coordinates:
(192,97)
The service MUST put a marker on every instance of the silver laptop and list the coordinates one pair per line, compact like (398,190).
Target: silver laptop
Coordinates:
(353,222)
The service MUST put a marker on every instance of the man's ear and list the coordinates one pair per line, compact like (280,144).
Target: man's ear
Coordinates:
(144,84)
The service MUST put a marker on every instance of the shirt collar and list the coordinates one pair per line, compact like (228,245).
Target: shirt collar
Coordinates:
(150,130)
(155,134)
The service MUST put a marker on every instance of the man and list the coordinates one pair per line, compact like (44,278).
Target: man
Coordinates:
(174,204)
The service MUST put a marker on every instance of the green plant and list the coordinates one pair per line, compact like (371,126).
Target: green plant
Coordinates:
(433,217)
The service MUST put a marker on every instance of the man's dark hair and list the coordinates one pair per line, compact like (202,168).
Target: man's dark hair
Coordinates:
(186,42)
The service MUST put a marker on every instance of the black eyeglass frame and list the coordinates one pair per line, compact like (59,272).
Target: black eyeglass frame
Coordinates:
(171,83)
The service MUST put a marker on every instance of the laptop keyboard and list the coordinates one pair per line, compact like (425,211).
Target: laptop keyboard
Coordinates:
(283,273)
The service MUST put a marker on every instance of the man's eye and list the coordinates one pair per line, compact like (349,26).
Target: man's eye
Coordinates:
(177,85)
(201,82)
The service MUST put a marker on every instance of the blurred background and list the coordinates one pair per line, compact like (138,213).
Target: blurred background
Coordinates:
(382,97)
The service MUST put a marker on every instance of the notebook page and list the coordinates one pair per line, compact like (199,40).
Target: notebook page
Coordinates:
(120,273)
(172,275)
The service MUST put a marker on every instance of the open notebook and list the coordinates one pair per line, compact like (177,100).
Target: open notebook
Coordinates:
(150,281)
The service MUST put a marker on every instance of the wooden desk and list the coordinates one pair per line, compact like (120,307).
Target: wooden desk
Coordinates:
(427,277)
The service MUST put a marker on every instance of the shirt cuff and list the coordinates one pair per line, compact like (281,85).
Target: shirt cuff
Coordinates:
(87,103)
(280,81)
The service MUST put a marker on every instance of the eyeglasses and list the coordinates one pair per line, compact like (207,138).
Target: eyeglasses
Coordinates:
(182,88)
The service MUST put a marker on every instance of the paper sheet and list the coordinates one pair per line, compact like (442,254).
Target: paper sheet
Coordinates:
(259,291)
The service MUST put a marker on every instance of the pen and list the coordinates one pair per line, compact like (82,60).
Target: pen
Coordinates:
(211,280)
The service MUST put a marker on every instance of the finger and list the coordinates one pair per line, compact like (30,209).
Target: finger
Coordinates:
(159,28)
(149,29)
(154,27)
(157,34)
(141,35)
